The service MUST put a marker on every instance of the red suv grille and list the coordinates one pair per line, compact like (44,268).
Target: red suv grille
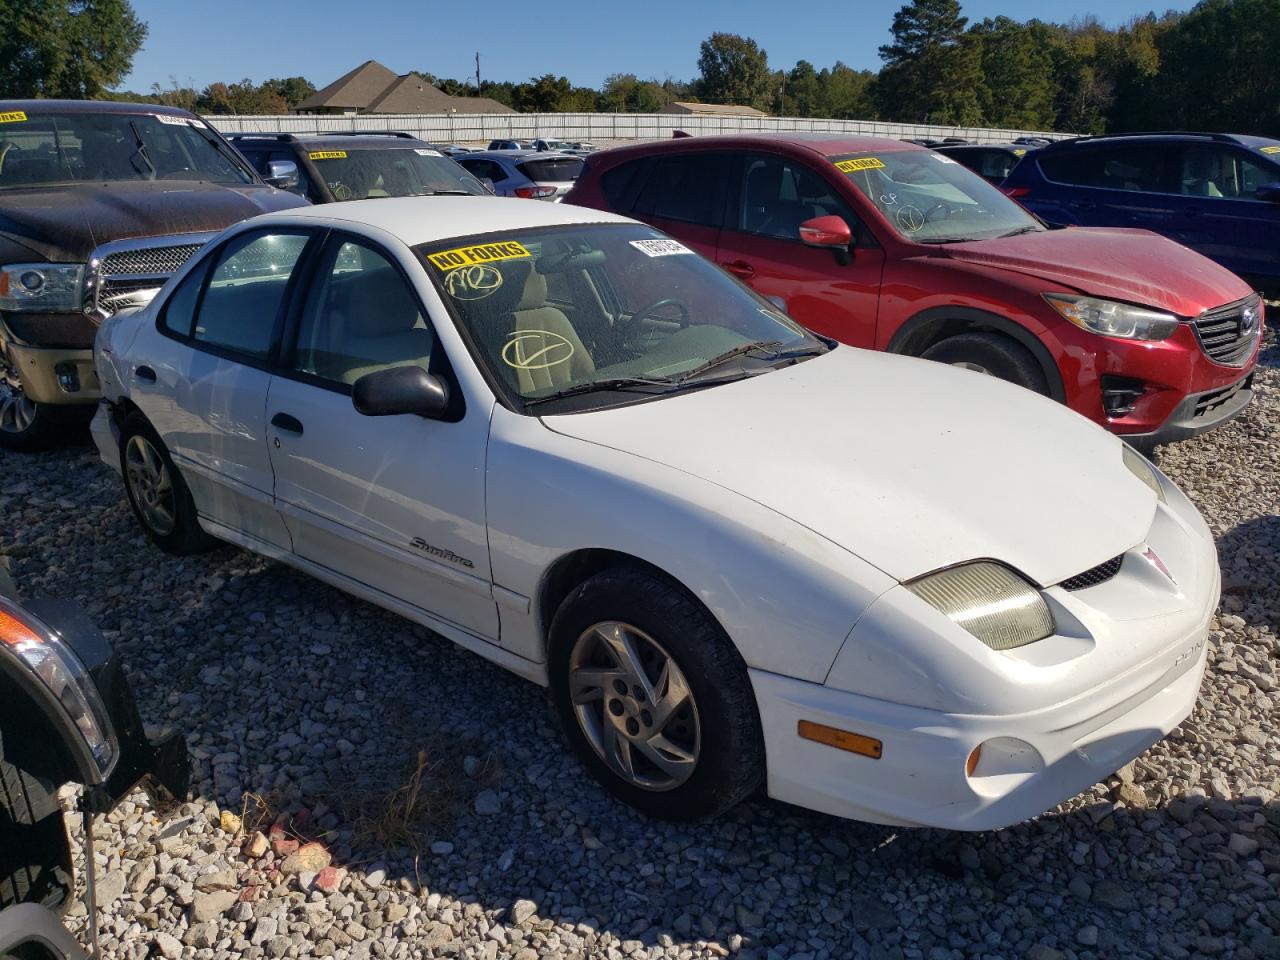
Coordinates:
(1229,333)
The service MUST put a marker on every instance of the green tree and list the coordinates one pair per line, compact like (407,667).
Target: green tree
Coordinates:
(733,69)
(1018,71)
(932,71)
(849,94)
(292,90)
(244,97)
(66,48)
(805,96)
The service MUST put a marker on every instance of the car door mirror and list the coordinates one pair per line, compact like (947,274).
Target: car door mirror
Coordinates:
(282,174)
(397,390)
(831,233)
(1269,192)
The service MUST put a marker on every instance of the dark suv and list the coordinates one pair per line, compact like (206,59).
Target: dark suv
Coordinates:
(99,203)
(329,167)
(1217,193)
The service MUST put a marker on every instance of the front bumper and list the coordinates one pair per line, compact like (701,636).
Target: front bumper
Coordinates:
(55,374)
(1199,412)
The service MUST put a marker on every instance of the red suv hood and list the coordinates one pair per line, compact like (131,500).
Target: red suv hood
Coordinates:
(1136,266)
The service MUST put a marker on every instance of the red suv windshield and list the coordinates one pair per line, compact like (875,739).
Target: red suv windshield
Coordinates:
(929,198)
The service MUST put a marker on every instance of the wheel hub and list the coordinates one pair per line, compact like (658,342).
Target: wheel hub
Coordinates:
(149,482)
(17,410)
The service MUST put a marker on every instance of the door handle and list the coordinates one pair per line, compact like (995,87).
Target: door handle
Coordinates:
(287,423)
(740,269)
(144,374)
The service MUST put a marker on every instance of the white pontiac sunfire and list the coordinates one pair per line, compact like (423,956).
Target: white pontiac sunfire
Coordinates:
(889,589)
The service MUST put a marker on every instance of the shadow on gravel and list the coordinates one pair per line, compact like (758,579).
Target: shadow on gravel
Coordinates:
(296,693)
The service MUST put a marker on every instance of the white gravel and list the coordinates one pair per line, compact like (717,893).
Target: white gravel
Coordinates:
(321,706)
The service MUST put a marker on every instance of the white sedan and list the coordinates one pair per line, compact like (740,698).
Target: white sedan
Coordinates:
(738,554)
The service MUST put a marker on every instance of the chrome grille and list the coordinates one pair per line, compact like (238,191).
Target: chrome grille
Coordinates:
(127,273)
(1095,575)
(1228,334)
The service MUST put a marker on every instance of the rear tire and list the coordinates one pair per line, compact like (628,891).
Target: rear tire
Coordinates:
(157,493)
(35,856)
(699,703)
(993,354)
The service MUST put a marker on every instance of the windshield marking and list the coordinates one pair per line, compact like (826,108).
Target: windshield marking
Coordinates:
(859,163)
(327,155)
(13,116)
(473,283)
(554,345)
(482,253)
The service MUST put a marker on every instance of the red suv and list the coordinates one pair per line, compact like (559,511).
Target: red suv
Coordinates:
(886,245)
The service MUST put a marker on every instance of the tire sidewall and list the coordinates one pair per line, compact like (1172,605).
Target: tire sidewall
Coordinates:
(730,761)
(1001,356)
(186,535)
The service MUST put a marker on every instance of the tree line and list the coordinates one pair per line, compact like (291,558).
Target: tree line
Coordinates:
(1210,68)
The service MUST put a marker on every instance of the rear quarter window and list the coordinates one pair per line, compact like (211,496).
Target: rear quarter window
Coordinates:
(618,184)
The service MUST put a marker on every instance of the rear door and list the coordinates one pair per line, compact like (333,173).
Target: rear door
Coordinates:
(205,392)
(1223,217)
(1116,185)
(770,196)
(683,195)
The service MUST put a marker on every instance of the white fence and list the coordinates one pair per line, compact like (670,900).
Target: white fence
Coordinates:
(482,127)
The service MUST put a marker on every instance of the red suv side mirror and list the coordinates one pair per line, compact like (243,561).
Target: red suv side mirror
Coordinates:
(829,232)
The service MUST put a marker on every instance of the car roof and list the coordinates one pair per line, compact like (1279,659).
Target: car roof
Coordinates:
(823,144)
(336,140)
(520,155)
(1010,147)
(90,106)
(1185,136)
(418,220)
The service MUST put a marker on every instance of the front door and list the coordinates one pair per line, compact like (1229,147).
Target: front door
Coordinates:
(1223,218)
(761,245)
(396,503)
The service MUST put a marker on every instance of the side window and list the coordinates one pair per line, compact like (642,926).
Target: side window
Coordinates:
(245,291)
(1221,173)
(1132,166)
(179,312)
(778,194)
(996,164)
(360,316)
(682,187)
(1253,175)
(257,159)
(618,184)
(485,168)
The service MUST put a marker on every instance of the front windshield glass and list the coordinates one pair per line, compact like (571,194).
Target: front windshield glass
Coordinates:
(929,198)
(41,149)
(614,311)
(359,174)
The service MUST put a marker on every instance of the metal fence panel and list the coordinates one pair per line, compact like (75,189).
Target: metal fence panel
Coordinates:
(482,127)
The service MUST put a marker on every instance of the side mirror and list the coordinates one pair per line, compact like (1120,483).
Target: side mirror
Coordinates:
(282,174)
(397,390)
(1269,192)
(830,232)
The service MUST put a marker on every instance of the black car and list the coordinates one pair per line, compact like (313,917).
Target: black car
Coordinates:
(991,161)
(331,167)
(99,203)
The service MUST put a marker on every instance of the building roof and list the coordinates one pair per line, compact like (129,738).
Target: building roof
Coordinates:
(725,109)
(372,88)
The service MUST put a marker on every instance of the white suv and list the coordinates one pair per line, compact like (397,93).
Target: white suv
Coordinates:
(890,589)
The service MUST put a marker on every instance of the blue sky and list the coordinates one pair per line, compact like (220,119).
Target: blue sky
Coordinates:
(198,43)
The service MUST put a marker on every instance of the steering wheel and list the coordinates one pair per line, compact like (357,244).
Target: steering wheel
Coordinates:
(940,205)
(663,302)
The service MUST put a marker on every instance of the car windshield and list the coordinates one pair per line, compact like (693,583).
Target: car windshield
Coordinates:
(40,149)
(362,173)
(614,311)
(929,198)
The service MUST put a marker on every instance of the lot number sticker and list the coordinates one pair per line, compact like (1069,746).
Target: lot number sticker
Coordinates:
(482,253)
(13,116)
(327,155)
(660,248)
(860,163)
(427,153)
(1274,149)
(178,121)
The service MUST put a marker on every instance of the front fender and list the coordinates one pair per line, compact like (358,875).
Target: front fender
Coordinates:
(785,595)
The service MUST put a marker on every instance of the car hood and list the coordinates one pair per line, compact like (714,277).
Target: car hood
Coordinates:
(909,464)
(65,223)
(1136,266)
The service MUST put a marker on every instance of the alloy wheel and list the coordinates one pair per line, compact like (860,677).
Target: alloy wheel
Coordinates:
(635,706)
(151,485)
(17,410)
(975,367)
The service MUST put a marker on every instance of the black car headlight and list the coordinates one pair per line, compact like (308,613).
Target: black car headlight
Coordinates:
(38,650)
(990,601)
(42,287)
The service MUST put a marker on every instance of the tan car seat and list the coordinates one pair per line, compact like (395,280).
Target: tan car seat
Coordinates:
(545,333)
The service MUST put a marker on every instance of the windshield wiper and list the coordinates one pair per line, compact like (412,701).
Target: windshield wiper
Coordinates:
(141,150)
(768,349)
(1029,228)
(446,193)
(601,386)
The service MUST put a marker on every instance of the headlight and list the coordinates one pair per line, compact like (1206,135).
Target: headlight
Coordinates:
(990,601)
(43,287)
(1142,469)
(56,667)
(1113,319)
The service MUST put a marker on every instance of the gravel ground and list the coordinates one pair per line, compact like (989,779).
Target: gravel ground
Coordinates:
(457,823)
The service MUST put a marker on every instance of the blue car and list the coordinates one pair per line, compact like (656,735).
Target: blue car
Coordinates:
(1217,193)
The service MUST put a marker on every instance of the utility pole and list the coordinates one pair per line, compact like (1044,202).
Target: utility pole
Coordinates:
(477,73)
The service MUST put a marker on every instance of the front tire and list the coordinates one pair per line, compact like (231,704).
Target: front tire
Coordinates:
(35,857)
(653,697)
(157,493)
(993,354)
